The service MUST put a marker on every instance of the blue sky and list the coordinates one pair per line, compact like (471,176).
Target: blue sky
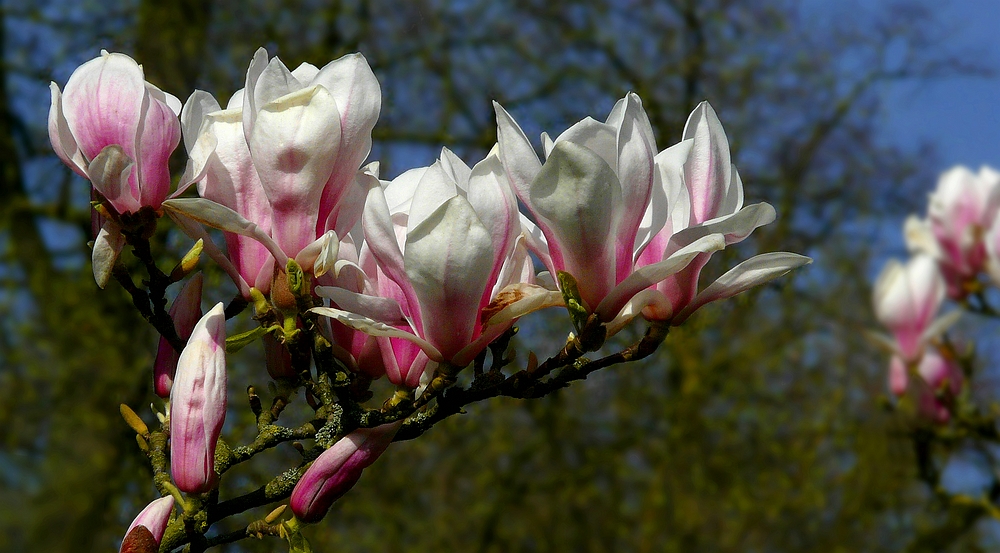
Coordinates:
(960,116)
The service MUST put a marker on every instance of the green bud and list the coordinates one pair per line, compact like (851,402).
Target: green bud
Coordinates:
(578,311)
(296,278)
(188,262)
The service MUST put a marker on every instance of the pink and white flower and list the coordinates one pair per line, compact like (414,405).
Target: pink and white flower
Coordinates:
(698,192)
(623,219)
(284,159)
(198,404)
(116,129)
(308,132)
(907,299)
(441,242)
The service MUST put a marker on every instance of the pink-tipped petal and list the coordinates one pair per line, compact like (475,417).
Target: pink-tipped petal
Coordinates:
(295,157)
(650,275)
(635,168)
(448,259)
(61,137)
(198,404)
(102,103)
(749,274)
(708,171)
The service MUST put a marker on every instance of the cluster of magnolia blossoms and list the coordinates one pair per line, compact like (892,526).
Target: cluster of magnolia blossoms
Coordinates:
(956,254)
(416,276)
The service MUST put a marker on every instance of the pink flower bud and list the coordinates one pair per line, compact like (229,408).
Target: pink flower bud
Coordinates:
(116,129)
(276,358)
(154,518)
(185,313)
(942,381)
(336,471)
(198,404)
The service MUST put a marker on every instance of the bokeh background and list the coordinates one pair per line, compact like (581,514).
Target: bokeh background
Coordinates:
(759,426)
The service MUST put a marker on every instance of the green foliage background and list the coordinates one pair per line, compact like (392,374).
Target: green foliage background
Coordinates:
(757,427)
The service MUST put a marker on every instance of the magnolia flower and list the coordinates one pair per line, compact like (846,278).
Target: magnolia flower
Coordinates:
(442,241)
(198,404)
(615,214)
(308,132)
(153,518)
(906,299)
(117,130)
(960,211)
(185,312)
(284,158)
(337,469)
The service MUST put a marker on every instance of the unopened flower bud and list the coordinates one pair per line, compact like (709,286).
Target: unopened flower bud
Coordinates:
(336,471)
(198,404)
(154,519)
(185,312)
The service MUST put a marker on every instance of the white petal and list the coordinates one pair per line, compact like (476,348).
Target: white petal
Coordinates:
(448,260)
(375,328)
(383,310)
(518,300)
(753,272)
(221,217)
(320,255)
(435,188)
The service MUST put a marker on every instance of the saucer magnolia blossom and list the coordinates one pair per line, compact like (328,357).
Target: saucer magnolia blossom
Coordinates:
(283,160)
(308,132)
(117,130)
(603,197)
(444,241)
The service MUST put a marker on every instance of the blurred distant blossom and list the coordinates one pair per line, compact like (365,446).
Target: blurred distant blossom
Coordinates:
(959,213)
(907,298)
